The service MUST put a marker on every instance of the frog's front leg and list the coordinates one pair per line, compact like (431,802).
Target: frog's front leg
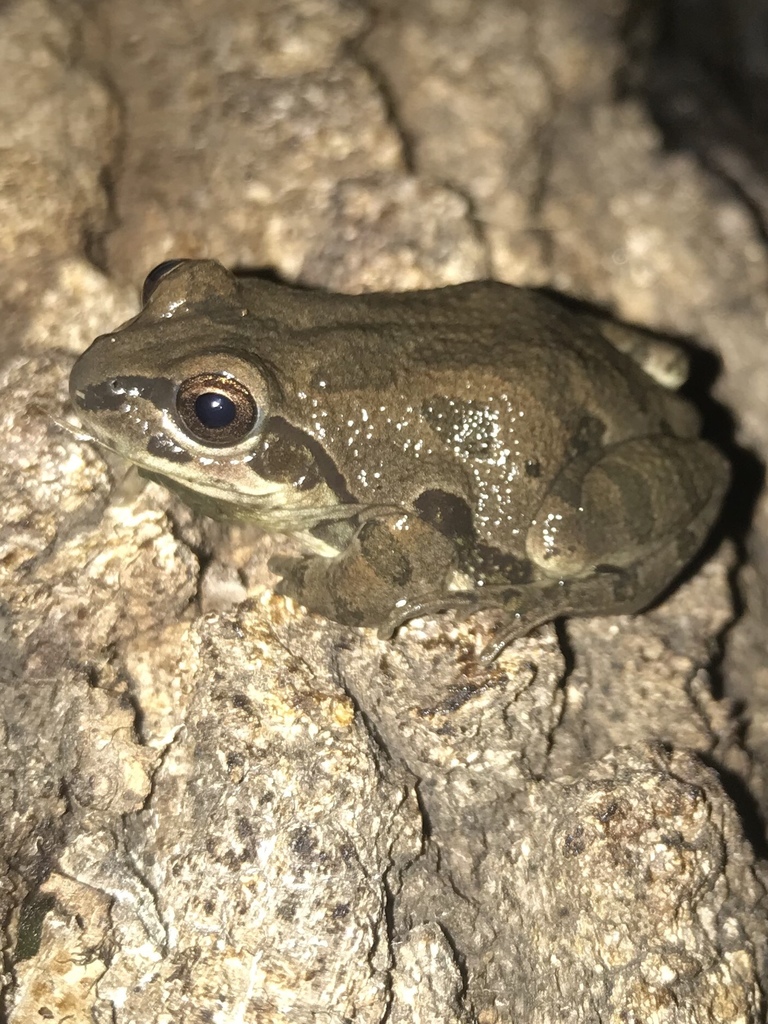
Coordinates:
(611,535)
(393,559)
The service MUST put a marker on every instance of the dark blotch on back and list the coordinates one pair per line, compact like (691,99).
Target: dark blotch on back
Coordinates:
(448,513)
(494,566)
(462,423)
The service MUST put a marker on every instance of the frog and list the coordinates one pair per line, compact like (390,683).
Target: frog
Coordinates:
(473,446)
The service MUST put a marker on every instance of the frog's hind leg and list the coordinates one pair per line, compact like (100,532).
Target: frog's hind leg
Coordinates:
(607,591)
(634,499)
(642,512)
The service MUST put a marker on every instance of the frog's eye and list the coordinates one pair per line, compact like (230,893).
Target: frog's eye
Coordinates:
(154,277)
(215,409)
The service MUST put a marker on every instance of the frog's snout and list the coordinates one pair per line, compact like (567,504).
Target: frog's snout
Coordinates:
(77,385)
(92,387)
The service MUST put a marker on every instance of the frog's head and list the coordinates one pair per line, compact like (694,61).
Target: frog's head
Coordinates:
(179,391)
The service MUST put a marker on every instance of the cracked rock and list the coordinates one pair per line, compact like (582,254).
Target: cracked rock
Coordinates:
(215,806)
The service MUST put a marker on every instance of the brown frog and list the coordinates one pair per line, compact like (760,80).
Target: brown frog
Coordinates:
(473,446)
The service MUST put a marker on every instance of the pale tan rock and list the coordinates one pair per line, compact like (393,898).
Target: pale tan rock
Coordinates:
(57,131)
(255,814)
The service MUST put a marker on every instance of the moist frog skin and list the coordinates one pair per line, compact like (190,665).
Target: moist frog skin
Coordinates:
(473,446)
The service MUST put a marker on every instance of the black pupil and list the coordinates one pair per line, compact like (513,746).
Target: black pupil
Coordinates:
(215,410)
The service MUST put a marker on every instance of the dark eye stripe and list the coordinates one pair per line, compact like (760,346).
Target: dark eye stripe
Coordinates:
(112,395)
(287,454)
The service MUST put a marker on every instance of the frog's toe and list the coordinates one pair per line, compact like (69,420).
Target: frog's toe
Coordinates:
(284,588)
(405,610)
(293,572)
(527,607)
(506,634)
(281,565)
(465,602)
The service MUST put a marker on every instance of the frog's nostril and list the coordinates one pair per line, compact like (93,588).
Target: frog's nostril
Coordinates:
(75,388)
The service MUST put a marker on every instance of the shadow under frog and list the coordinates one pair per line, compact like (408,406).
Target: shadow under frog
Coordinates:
(473,446)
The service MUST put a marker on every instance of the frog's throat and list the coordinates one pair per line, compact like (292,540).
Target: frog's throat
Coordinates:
(274,507)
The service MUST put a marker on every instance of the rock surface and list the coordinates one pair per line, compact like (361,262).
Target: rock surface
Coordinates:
(216,807)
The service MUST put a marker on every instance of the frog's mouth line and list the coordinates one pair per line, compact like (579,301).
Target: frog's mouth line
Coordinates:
(230,492)
(274,511)
(74,430)
(255,502)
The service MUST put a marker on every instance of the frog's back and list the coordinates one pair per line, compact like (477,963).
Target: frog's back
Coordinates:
(482,341)
(467,325)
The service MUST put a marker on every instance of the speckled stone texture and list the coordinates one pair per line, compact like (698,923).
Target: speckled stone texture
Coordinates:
(217,808)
